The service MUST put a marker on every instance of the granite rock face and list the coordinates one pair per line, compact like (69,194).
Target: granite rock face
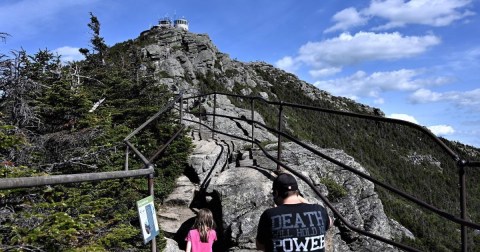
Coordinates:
(360,206)
(239,194)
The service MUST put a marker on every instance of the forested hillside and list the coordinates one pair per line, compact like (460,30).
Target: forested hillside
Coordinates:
(48,126)
(46,129)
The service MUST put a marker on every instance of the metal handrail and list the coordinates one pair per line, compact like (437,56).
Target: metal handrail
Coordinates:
(149,170)
(449,151)
(148,161)
(461,164)
(24,182)
(163,147)
(353,170)
(312,186)
(160,112)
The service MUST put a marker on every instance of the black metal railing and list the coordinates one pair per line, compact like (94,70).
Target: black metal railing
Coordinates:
(461,163)
(148,168)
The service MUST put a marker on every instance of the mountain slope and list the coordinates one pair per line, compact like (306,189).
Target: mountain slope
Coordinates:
(395,154)
(54,133)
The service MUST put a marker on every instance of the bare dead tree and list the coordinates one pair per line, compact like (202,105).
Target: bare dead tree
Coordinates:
(74,73)
(18,91)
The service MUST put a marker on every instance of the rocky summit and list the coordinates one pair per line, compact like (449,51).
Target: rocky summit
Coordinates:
(185,61)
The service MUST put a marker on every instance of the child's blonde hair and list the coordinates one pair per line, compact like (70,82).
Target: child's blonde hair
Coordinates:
(204,222)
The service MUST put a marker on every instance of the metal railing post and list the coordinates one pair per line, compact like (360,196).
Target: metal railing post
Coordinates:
(199,119)
(463,202)
(153,244)
(279,145)
(187,109)
(126,157)
(214,112)
(251,117)
(181,108)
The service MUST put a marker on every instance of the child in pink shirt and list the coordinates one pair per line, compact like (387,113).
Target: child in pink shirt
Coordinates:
(202,236)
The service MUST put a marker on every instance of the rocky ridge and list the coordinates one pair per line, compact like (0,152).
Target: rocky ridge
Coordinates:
(184,61)
(236,185)
(223,176)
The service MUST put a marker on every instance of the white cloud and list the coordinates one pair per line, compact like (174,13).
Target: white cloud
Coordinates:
(373,85)
(347,18)
(349,49)
(288,64)
(379,101)
(473,54)
(404,117)
(466,59)
(399,13)
(324,72)
(426,12)
(470,99)
(69,53)
(441,130)
(424,96)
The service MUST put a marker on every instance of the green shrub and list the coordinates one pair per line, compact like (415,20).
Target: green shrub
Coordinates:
(335,191)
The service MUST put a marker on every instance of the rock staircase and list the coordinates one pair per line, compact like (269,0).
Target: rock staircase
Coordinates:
(210,156)
(224,177)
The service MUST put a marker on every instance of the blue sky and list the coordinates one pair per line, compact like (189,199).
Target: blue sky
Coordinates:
(415,60)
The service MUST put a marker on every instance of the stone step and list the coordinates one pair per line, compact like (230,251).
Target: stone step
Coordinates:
(171,218)
(183,193)
(246,162)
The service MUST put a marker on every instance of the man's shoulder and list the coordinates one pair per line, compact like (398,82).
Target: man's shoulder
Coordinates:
(290,207)
(302,205)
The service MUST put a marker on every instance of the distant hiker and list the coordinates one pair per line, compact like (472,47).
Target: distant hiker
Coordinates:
(202,236)
(293,225)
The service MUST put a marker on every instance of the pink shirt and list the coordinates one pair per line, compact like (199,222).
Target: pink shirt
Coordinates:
(198,246)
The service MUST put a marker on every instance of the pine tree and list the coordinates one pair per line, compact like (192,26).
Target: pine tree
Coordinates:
(23,79)
(97,42)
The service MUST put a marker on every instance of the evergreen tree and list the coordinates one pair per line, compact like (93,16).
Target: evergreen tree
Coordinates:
(23,79)
(97,42)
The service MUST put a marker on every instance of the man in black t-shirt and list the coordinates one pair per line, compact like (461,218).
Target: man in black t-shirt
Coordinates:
(293,225)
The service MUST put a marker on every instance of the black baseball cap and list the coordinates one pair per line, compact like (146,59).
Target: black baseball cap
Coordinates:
(285,182)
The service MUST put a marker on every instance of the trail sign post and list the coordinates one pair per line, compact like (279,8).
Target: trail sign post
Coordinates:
(148,218)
